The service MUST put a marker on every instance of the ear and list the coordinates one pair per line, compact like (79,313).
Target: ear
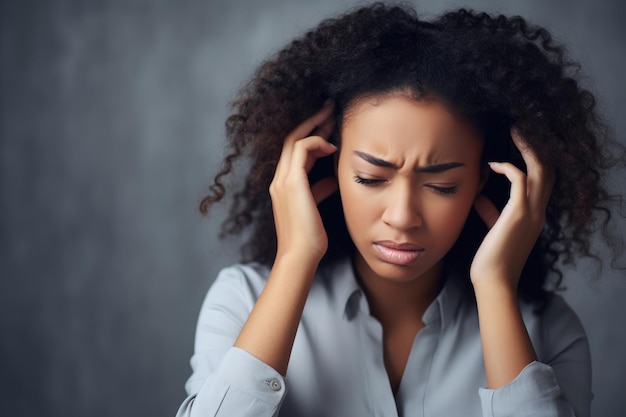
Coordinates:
(484,176)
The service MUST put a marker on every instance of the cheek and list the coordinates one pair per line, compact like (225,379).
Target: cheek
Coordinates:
(358,216)
(351,199)
(447,218)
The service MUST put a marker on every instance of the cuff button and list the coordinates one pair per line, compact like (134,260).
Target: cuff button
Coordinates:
(274,384)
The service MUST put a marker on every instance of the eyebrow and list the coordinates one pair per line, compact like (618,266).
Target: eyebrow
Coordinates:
(430,169)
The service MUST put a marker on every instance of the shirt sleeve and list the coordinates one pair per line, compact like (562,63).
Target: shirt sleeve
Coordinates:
(534,392)
(228,381)
(559,384)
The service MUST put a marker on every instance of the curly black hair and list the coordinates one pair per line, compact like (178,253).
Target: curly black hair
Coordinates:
(494,71)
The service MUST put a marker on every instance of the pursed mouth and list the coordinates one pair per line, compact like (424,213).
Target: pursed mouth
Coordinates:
(399,246)
(398,253)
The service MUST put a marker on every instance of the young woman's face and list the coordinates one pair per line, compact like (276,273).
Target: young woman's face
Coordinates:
(408,174)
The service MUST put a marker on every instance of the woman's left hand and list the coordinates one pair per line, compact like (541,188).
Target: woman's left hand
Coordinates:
(513,232)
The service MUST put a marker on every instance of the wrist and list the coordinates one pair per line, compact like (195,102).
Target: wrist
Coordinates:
(495,286)
(302,257)
(295,265)
(507,347)
(497,297)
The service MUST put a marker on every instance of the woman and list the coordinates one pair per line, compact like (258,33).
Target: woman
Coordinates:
(424,180)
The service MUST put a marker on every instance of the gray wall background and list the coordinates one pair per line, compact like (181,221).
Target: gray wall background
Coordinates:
(111,116)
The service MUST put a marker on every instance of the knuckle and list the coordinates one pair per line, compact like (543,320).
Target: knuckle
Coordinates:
(299,144)
(309,142)
(519,175)
(277,183)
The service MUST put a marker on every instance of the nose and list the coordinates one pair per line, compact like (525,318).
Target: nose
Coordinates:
(402,208)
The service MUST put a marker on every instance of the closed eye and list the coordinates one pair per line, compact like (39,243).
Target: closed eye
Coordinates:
(443,190)
(367,181)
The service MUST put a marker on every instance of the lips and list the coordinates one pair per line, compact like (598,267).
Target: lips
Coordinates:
(398,253)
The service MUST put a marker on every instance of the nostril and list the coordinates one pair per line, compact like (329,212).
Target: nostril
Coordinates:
(402,218)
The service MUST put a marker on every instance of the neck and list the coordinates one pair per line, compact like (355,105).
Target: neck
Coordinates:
(396,302)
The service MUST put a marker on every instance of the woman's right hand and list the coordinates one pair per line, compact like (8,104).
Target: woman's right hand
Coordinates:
(299,227)
(269,332)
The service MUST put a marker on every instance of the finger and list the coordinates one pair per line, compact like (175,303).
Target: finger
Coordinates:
(305,128)
(487,211)
(530,157)
(324,188)
(516,177)
(308,150)
(301,131)
(540,178)
(326,128)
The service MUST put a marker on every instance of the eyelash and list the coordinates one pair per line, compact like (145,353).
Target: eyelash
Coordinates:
(367,182)
(444,190)
(373,183)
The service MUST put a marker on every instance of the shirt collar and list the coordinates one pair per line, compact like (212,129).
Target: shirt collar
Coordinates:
(445,307)
(346,293)
(343,286)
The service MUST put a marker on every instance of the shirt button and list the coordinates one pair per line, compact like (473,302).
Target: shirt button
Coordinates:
(274,384)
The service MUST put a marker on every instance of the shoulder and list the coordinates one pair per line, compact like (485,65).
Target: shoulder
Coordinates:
(236,289)
(248,277)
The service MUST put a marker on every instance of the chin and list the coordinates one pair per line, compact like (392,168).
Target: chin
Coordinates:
(397,273)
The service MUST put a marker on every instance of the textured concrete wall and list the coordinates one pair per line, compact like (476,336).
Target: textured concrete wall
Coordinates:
(111,116)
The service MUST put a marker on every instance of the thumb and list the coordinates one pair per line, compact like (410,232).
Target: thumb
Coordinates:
(486,210)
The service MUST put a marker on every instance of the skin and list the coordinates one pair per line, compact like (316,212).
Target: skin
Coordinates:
(407,206)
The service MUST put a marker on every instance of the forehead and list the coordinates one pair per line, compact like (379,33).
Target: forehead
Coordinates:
(399,126)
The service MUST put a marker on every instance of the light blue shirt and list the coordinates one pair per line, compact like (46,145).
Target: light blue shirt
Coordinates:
(337,369)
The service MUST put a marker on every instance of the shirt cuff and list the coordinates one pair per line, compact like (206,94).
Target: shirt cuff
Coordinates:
(245,372)
(242,385)
(534,392)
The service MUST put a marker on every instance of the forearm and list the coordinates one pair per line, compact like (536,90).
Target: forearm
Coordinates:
(270,330)
(507,348)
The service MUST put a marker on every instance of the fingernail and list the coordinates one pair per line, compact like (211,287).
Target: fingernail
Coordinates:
(493,164)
